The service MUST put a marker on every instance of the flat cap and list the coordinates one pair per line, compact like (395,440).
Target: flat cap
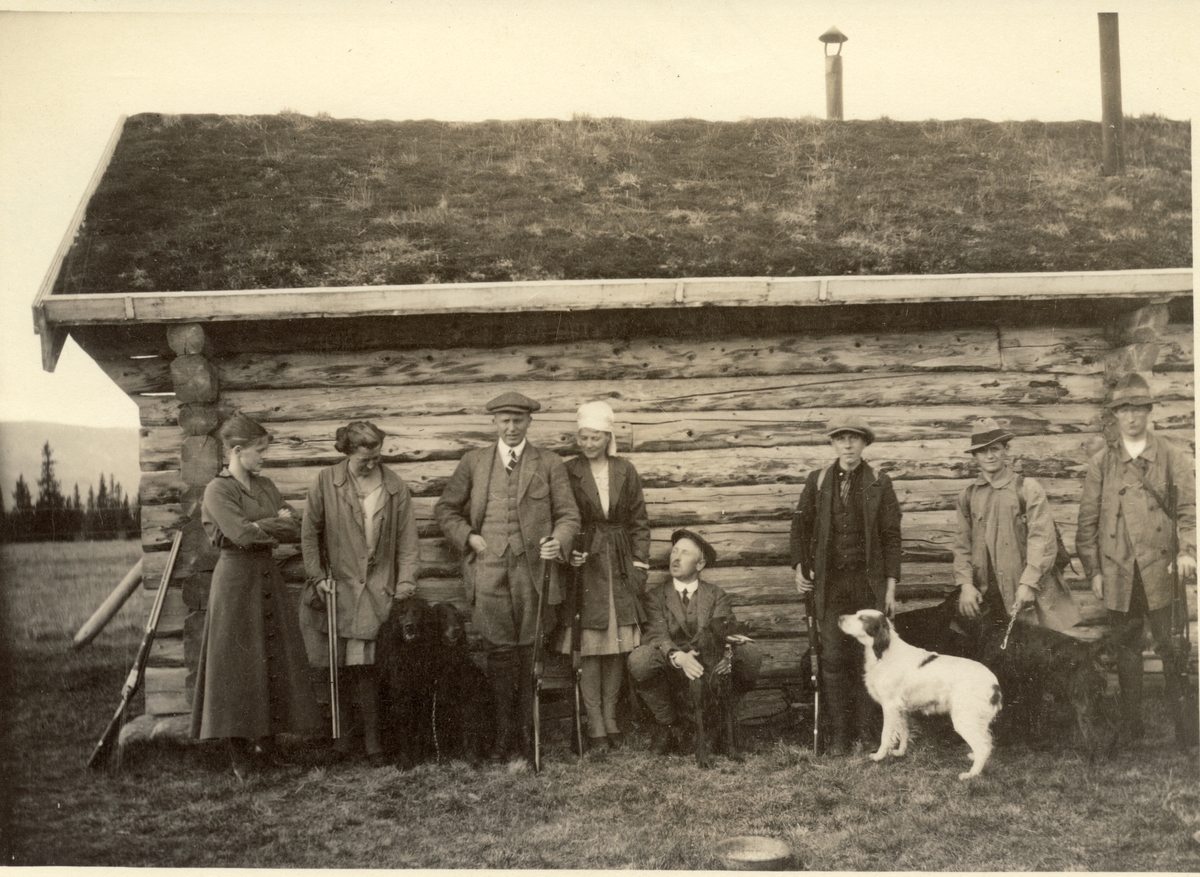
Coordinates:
(515,403)
(850,424)
(710,554)
(1130,390)
(987,432)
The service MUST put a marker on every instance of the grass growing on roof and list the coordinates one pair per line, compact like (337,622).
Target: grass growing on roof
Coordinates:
(257,202)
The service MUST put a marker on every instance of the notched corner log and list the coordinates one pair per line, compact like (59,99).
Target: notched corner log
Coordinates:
(186,338)
(194,378)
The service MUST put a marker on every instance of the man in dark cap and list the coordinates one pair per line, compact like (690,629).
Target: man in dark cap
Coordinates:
(509,510)
(845,548)
(1136,540)
(676,613)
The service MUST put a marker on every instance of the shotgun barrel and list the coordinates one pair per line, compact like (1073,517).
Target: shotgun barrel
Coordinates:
(331,634)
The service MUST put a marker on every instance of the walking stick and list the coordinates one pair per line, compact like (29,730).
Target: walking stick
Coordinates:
(331,636)
(537,668)
(105,748)
(814,654)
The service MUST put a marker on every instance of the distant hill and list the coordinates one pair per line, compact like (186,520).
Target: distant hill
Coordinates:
(81,454)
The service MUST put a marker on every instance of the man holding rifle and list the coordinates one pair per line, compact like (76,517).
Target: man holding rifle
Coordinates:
(1137,543)
(508,508)
(845,548)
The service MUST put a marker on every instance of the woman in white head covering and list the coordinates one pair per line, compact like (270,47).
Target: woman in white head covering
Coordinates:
(611,563)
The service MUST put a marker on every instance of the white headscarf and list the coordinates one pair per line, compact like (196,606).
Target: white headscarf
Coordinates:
(598,416)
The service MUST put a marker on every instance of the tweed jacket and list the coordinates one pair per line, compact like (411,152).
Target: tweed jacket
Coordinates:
(666,621)
(1121,524)
(1022,548)
(334,540)
(812,524)
(613,541)
(545,508)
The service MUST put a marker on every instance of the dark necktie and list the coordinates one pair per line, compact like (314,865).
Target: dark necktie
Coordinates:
(683,596)
(512,463)
(845,487)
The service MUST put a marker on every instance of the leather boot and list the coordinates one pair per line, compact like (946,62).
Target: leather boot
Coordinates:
(1181,704)
(1129,674)
(502,674)
(868,717)
(836,705)
(366,693)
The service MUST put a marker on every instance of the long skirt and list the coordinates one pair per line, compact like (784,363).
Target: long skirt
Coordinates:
(252,679)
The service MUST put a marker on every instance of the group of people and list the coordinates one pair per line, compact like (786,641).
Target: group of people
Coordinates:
(537,534)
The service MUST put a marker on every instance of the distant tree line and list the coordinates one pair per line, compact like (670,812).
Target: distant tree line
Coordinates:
(51,516)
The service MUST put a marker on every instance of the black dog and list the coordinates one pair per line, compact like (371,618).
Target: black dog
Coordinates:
(710,697)
(463,711)
(1043,673)
(406,651)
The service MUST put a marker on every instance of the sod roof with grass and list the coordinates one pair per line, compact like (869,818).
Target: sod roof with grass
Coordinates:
(208,202)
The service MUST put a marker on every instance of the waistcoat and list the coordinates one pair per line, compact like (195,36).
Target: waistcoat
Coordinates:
(847,530)
(501,526)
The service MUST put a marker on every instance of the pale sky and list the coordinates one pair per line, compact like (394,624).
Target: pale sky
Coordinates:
(67,76)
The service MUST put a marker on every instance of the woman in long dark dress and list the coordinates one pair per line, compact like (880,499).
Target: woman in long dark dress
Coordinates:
(360,531)
(611,567)
(252,680)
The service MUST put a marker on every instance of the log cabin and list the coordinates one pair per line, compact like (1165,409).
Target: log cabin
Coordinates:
(210,269)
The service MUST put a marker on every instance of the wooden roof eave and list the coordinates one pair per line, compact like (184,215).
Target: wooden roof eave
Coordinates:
(54,336)
(59,313)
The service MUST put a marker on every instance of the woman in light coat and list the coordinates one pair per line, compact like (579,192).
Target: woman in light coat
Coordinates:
(611,567)
(251,681)
(360,533)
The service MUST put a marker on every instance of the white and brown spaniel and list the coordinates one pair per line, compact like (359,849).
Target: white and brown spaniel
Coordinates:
(905,679)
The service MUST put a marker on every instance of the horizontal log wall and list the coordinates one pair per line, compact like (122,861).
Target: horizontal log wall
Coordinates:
(722,431)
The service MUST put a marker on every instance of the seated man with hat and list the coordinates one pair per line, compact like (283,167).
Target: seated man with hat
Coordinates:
(676,614)
(845,548)
(1137,542)
(509,509)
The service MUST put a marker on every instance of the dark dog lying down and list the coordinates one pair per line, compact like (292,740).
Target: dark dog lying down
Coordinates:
(1045,675)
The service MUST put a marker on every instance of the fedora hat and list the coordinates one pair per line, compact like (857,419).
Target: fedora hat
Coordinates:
(710,554)
(850,424)
(513,403)
(1130,390)
(987,432)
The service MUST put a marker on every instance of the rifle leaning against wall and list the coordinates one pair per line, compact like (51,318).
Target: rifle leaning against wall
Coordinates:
(106,749)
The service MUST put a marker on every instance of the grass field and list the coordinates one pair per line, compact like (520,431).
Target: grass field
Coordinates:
(177,805)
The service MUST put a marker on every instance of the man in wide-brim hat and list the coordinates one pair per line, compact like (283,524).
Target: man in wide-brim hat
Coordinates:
(508,508)
(1006,542)
(845,548)
(1136,540)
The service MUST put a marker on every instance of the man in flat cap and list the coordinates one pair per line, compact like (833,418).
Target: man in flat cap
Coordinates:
(1136,540)
(676,614)
(509,510)
(845,548)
